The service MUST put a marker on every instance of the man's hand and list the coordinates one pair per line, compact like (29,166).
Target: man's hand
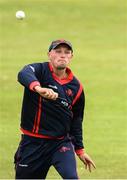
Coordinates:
(85,158)
(46,92)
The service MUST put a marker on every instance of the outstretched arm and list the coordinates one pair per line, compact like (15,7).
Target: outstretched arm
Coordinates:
(29,77)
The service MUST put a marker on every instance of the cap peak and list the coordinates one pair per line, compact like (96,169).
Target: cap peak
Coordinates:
(55,43)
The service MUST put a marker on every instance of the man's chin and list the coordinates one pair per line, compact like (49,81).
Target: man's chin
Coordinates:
(62,67)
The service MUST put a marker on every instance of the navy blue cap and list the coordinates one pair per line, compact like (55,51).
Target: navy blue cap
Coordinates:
(55,43)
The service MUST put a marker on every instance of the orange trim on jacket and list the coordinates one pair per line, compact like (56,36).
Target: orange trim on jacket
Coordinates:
(33,84)
(79,151)
(39,135)
(78,94)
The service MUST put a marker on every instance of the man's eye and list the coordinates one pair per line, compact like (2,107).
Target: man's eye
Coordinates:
(58,51)
(67,52)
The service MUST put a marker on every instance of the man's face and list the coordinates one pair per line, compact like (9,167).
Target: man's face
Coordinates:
(60,57)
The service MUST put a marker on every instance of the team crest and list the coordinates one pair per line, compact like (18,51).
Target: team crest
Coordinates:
(69,92)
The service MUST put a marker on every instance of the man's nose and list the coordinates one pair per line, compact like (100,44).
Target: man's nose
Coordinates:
(62,54)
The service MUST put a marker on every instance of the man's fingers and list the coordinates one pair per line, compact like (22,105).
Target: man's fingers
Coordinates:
(93,165)
(56,96)
(89,166)
(53,95)
(85,163)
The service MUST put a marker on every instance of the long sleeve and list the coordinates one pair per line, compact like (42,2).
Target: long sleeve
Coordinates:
(76,127)
(29,75)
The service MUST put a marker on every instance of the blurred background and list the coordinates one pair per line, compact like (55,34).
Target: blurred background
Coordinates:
(98,32)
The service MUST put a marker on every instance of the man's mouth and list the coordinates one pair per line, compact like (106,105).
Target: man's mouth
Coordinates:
(61,60)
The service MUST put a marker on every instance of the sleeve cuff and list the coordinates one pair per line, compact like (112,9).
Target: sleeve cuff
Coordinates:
(80,151)
(33,84)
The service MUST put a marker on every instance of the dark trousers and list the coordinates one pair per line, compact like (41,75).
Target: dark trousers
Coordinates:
(35,156)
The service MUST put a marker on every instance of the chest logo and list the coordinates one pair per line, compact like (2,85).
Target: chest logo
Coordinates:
(69,92)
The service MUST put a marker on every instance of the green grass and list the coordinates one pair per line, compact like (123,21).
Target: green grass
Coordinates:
(97,30)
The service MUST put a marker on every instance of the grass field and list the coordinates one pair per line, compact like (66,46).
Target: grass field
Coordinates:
(98,32)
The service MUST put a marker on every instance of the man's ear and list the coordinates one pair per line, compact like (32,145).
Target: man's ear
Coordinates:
(48,54)
(71,55)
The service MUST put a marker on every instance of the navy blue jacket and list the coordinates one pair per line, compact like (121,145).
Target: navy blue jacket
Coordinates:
(45,118)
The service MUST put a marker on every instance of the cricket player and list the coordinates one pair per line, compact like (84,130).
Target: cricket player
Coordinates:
(51,117)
